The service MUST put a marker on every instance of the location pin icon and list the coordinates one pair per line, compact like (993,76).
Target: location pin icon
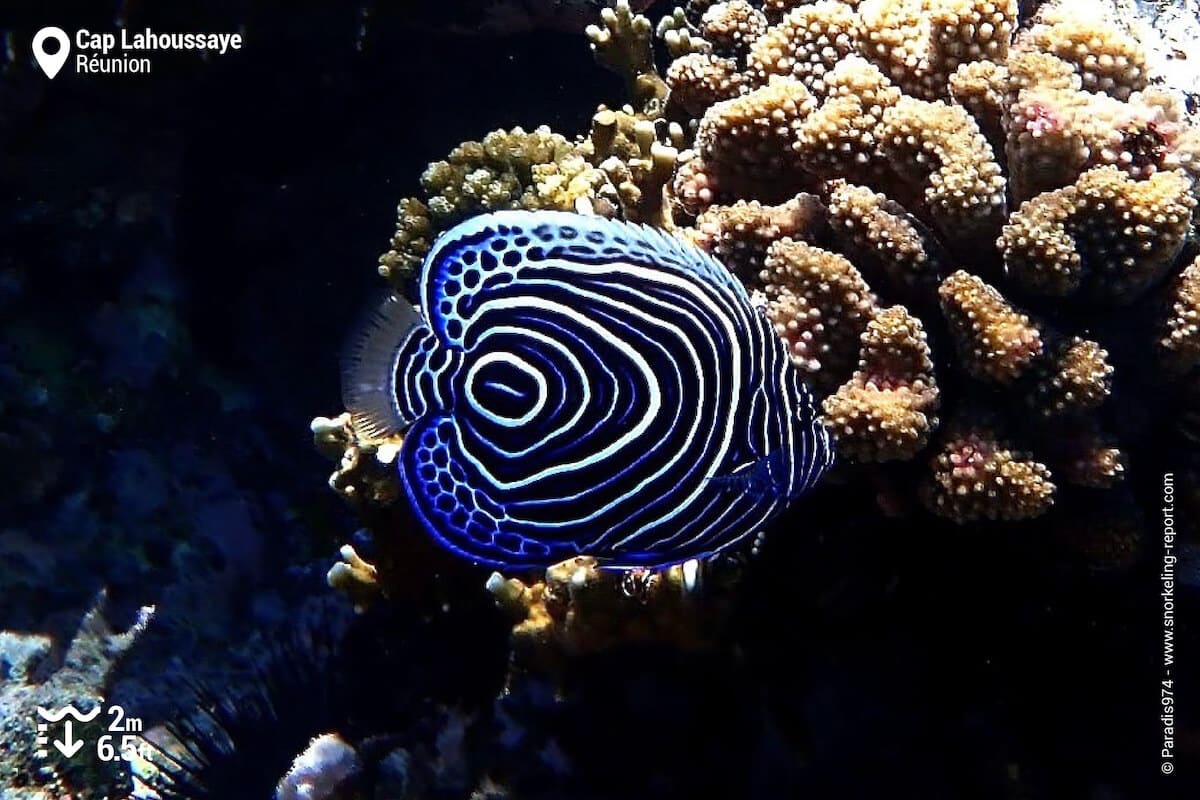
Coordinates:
(51,63)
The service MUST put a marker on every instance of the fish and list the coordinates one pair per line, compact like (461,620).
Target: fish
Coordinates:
(568,384)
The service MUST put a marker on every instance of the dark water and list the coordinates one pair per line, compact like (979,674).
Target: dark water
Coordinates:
(181,254)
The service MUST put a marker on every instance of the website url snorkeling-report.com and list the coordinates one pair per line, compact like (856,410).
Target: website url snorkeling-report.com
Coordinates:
(1167,579)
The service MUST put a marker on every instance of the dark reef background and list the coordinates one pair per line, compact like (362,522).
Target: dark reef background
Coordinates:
(181,255)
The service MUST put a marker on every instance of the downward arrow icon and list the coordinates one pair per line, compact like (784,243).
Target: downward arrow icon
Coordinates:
(68,747)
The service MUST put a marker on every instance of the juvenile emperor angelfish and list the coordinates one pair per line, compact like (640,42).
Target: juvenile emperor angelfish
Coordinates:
(573,385)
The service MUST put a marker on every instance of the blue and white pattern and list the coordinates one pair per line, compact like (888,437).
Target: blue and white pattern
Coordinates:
(585,386)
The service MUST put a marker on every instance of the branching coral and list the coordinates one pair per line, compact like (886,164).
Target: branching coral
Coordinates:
(886,411)
(579,608)
(1026,195)
(976,476)
(1180,344)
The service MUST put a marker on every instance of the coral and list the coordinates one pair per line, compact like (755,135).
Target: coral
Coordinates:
(579,608)
(635,163)
(807,43)
(1180,343)
(1106,58)
(886,410)
(623,42)
(940,148)
(698,80)
(739,235)
(749,138)
(410,242)
(1108,234)
(976,476)
(1076,379)
(83,680)
(324,771)
(899,184)
(732,26)
(363,475)
(878,233)
(820,305)
(994,340)
(508,169)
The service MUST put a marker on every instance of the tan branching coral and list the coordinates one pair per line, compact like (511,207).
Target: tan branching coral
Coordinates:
(509,169)
(841,138)
(698,80)
(410,242)
(920,43)
(976,476)
(739,235)
(820,305)
(810,41)
(636,164)
(750,137)
(1076,379)
(980,179)
(940,148)
(1115,234)
(365,474)
(732,27)
(624,42)
(995,341)
(879,233)
(578,608)
(1108,59)
(1180,343)
(885,412)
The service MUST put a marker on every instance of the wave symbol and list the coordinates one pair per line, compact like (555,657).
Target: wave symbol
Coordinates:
(57,716)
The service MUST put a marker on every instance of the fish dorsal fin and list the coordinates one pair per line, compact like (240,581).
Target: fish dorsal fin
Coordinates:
(486,251)
(370,363)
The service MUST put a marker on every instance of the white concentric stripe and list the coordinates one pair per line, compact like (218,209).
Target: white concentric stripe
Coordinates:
(648,376)
(565,428)
(640,338)
(520,365)
(588,379)
(650,275)
(702,294)
(526,303)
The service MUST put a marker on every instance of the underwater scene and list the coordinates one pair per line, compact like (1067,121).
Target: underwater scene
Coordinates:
(590,399)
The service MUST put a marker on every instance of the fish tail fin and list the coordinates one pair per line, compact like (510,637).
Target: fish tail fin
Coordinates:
(371,364)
